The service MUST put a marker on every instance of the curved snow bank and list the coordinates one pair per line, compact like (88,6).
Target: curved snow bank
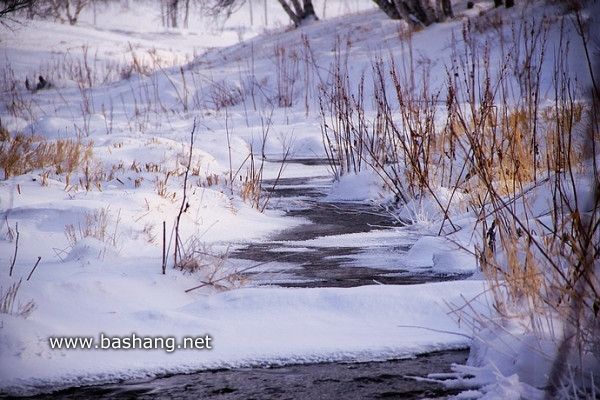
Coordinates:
(441,254)
(248,327)
(364,186)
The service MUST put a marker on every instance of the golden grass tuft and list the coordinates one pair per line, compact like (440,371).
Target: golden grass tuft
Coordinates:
(23,154)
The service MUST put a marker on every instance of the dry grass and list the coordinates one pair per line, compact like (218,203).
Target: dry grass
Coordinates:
(212,268)
(89,69)
(497,148)
(286,71)
(22,154)
(9,304)
(541,268)
(95,225)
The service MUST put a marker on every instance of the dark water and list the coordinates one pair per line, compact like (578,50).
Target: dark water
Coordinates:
(328,266)
(371,380)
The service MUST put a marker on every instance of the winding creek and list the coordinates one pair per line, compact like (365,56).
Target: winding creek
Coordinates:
(343,244)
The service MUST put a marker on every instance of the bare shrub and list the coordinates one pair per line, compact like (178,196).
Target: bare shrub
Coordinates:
(225,94)
(542,269)
(212,268)
(499,148)
(343,116)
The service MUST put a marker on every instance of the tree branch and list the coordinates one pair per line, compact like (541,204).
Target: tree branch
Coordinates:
(11,6)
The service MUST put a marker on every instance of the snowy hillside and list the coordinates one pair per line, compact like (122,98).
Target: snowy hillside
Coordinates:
(145,127)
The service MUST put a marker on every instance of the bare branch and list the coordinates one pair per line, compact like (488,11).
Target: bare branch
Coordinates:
(12,6)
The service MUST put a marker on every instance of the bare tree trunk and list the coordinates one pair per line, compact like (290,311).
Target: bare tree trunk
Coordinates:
(309,10)
(297,7)
(388,8)
(173,6)
(170,12)
(416,11)
(79,5)
(447,10)
(251,13)
(187,14)
(298,11)
(404,11)
(302,11)
(266,14)
(426,11)
(289,12)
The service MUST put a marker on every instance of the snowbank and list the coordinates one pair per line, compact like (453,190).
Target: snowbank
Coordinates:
(248,327)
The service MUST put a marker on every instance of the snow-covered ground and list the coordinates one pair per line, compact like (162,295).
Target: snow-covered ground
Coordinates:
(132,92)
(247,327)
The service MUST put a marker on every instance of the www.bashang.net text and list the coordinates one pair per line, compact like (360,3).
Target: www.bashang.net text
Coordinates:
(130,342)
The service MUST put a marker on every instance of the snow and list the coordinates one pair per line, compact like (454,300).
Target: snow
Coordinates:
(98,229)
(363,186)
(248,327)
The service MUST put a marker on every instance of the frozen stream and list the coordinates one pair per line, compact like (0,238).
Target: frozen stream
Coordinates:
(370,380)
(343,244)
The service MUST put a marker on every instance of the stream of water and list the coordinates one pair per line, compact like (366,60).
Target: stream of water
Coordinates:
(393,379)
(322,253)
(345,244)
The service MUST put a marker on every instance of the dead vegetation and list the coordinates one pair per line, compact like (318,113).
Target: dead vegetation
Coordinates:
(499,147)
